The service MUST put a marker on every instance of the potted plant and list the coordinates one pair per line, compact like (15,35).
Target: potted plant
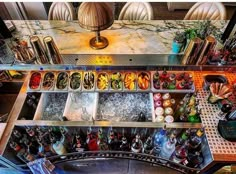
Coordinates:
(178,42)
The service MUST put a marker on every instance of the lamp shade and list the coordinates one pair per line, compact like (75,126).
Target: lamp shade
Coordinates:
(95,16)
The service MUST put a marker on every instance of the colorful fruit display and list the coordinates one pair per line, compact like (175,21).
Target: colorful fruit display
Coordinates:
(116,81)
(35,80)
(102,81)
(62,80)
(143,80)
(88,82)
(130,81)
(218,91)
(75,80)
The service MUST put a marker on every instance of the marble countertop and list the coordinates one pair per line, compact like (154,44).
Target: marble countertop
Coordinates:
(125,37)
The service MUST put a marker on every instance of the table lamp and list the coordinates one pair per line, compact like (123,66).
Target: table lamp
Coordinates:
(96,16)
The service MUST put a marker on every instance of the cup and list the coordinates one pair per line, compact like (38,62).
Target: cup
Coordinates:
(6,55)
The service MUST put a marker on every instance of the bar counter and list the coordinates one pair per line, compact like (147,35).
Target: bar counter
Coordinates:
(125,37)
(128,38)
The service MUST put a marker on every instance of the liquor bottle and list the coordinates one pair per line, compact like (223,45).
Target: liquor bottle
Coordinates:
(137,144)
(58,146)
(79,143)
(39,51)
(113,140)
(148,146)
(124,144)
(179,110)
(184,137)
(102,142)
(193,115)
(17,134)
(168,147)
(195,141)
(91,140)
(52,50)
(180,154)
(194,159)
(158,141)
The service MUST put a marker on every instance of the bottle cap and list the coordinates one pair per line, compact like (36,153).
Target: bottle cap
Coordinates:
(169,119)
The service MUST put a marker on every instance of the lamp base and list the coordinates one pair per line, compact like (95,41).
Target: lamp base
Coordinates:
(103,43)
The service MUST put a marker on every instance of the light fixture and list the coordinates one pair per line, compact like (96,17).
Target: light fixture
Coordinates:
(96,16)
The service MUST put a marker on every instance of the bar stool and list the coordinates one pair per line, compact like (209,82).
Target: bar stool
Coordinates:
(61,11)
(136,11)
(206,11)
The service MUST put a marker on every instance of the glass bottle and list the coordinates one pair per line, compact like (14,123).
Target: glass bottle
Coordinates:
(168,147)
(195,141)
(80,146)
(102,142)
(91,140)
(194,159)
(39,50)
(113,140)
(184,137)
(179,110)
(181,153)
(148,146)
(124,144)
(58,146)
(137,144)
(158,140)
(52,50)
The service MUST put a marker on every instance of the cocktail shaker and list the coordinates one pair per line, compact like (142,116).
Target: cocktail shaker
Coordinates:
(39,51)
(52,50)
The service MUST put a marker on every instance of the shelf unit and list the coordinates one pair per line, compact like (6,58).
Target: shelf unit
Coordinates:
(198,72)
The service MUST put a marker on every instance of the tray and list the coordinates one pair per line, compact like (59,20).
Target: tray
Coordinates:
(81,106)
(112,75)
(47,84)
(51,106)
(60,74)
(131,80)
(29,82)
(119,106)
(75,81)
(101,79)
(172,90)
(84,84)
(141,75)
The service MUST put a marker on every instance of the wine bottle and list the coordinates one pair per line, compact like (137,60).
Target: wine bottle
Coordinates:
(168,147)
(137,144)
(102,142)
(158,140)
(91,140)
(184,137)
(124,144)
(195,141)
(148,145)
(181,153)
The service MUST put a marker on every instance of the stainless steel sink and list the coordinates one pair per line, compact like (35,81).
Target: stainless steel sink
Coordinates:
(8,95)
